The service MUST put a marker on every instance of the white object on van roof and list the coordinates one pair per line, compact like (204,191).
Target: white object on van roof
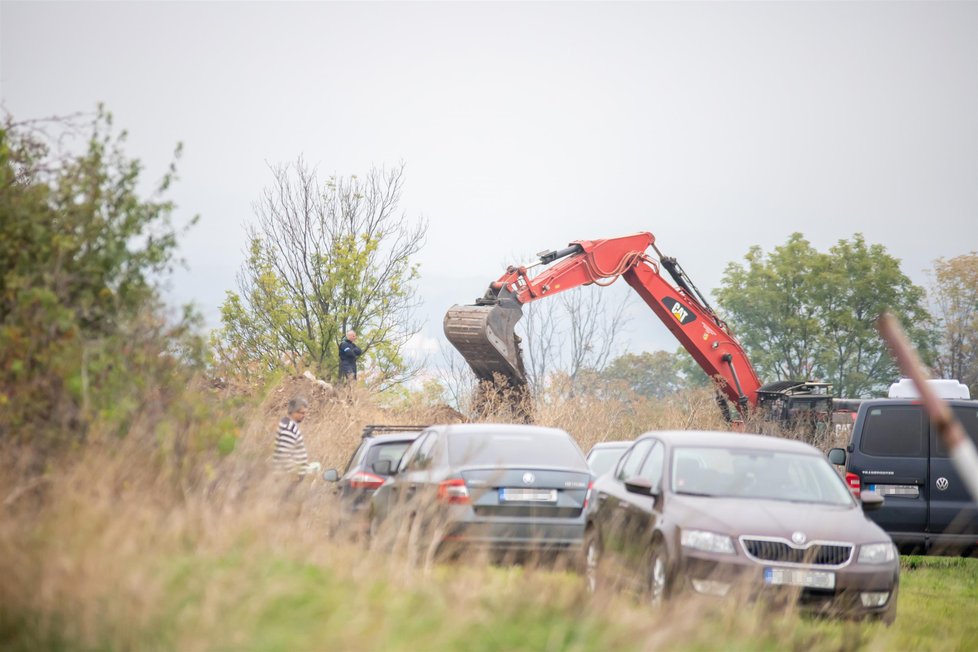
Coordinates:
(943,387)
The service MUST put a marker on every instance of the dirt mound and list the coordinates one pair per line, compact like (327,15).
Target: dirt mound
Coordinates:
(319,396)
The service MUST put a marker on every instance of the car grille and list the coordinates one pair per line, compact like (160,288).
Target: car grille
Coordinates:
(816,554)
(531,511)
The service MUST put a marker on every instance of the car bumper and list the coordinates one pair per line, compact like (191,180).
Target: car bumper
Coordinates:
(859,589)
(502,534)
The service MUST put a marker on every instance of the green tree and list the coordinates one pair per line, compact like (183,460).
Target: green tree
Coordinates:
(690,371)
(858,282)
(648,374)
(803,314)
(324,259)
(954,301)
(81,253)
(773,306)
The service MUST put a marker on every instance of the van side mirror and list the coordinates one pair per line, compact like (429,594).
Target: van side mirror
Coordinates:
(837,456)
(331,475)
(639,485)
(381,467)
(871,500)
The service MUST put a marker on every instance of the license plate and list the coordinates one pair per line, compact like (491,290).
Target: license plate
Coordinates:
(910,490)
(519,495)
(799,577)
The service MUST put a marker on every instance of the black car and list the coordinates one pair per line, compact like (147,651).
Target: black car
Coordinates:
(895,451)
(744,516)
(604,456)
(498,487)
(379,452)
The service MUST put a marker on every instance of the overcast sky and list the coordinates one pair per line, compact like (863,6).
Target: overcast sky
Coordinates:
(716,126)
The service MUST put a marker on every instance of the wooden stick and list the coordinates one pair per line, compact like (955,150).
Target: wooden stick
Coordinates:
(964,456)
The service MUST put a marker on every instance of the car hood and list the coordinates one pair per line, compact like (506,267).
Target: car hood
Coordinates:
(775,518)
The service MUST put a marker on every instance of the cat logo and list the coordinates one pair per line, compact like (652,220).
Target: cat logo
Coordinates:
(682,315)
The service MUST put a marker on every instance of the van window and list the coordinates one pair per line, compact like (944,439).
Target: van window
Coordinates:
(968,416)
(895,431)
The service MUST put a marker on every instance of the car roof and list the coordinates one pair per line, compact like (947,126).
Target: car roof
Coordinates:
(387,438)
(375,430)
(624,443)
(708,438)
(877,402)
(498,428)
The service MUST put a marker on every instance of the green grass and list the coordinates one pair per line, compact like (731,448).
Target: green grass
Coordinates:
(252,597)
(252,600)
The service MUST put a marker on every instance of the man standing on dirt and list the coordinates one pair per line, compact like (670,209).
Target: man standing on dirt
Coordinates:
(290,449)
(349,352)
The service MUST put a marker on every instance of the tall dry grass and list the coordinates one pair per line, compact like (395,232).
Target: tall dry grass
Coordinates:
(112,548)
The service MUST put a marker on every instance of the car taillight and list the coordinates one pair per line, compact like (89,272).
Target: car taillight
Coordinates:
(852,480)
(587,496)
(364,480)
(454,492)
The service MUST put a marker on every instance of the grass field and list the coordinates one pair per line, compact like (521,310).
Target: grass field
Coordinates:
(111,552)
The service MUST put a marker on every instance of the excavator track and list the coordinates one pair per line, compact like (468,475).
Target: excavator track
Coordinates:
(485,336)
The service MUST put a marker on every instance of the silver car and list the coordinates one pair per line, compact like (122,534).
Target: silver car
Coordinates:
(502,487)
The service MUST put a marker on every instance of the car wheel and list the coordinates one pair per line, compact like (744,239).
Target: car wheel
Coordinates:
(888,616)
(660,583)
(592,559)
(374,534)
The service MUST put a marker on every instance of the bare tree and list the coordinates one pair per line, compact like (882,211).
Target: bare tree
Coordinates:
(954,302)
(577,332)
(325,258)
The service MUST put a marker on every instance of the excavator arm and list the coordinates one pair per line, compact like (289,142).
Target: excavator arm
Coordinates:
(484,333)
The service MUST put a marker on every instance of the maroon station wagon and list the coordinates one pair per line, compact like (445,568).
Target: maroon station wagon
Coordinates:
(721,513)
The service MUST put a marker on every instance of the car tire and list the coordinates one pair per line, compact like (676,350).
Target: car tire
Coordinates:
(659,574)
(591,558)
(375,534)
(889,616)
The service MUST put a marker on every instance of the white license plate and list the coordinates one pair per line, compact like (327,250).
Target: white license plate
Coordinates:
(911,490)
(514,495)
(799,577)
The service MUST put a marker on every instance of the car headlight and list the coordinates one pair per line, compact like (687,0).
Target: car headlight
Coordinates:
(707,541)
(877,553)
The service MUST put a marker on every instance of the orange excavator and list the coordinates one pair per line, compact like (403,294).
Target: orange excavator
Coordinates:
(484,333)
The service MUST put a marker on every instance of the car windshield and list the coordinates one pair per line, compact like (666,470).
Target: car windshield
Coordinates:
(602,460)
(389,450)
(757,474)
(531,449)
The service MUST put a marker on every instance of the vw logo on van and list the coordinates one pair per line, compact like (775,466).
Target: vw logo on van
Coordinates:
(942,484)
(529,478)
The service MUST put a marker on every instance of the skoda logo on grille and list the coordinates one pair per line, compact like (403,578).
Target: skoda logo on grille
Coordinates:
(942,484)
(798,537)
(529,478)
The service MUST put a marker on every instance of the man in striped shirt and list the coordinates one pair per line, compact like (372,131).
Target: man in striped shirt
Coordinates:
(290,450)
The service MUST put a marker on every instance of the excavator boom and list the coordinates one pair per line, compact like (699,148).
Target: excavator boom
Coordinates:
(484,333)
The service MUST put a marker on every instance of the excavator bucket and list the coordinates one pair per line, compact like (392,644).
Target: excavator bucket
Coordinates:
(485,335)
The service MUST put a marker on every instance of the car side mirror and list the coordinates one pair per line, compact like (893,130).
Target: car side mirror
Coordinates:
(871,500)
(382,467)
(639,485)
(837,456)
(331,475)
